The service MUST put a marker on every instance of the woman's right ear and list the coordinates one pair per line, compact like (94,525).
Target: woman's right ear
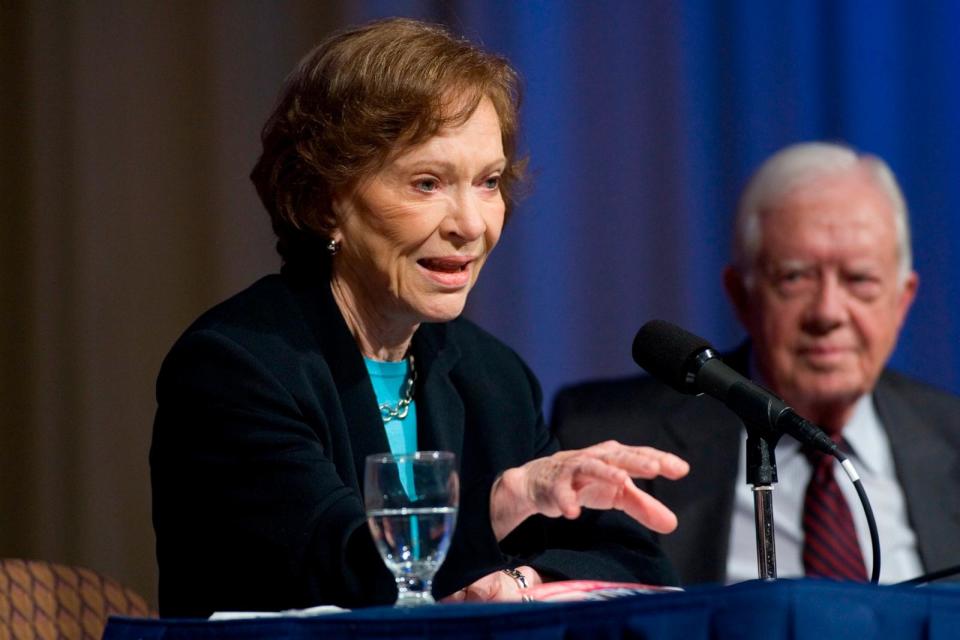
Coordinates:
(334,234)
(336,209)
(341,207)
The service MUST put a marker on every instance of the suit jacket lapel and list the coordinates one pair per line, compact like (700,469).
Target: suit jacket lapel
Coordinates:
(707,435)
(928,469)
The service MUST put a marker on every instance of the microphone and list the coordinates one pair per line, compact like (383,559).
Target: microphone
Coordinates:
(689,364)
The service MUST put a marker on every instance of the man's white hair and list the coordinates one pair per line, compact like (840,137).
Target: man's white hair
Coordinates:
(798,165)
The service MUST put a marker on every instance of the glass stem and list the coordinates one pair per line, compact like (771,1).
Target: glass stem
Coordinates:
(413,591)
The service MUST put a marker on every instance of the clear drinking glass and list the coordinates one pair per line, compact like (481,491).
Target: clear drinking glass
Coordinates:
(411,502)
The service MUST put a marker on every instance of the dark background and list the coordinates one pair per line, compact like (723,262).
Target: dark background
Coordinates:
(128,128)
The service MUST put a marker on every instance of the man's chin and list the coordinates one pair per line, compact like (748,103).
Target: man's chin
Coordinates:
(827,391)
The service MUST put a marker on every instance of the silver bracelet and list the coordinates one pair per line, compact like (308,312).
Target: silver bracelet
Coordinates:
(521,581)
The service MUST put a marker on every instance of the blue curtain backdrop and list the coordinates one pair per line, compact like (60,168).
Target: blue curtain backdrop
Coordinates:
(643,120)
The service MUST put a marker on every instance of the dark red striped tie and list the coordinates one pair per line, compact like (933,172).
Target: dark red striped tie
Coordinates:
(830,547)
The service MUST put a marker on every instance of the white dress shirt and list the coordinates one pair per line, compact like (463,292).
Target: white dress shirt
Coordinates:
(871,456)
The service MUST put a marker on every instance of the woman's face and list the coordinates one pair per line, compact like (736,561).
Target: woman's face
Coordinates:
(415,234)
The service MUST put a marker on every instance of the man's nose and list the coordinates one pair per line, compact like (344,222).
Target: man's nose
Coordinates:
(828,307)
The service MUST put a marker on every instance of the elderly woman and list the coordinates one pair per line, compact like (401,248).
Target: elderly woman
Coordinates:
(387,168)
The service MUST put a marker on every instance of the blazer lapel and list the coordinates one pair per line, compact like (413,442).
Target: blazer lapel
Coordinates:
(929,472)
(440,411)
(361,416)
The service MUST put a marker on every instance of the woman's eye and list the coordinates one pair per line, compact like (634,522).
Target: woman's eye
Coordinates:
(492,183)
(426,185)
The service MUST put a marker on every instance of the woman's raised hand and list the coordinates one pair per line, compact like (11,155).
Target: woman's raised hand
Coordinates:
(597,477)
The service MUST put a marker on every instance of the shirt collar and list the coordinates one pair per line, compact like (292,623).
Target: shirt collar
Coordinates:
(866,438)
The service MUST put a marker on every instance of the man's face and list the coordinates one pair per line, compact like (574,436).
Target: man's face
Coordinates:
(826,301)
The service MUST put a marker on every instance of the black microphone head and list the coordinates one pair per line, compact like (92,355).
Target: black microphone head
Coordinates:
(668,353)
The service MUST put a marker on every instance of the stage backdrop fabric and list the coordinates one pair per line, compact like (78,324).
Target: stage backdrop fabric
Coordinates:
(128,130)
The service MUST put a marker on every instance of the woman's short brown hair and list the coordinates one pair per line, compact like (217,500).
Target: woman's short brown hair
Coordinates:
(360,95)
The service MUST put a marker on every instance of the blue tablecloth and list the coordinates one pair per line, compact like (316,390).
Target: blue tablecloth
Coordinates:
(786,609)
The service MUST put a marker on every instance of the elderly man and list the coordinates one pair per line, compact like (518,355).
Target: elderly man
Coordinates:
(821,280)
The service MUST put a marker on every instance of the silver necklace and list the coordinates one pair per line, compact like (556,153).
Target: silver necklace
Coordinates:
(400,410)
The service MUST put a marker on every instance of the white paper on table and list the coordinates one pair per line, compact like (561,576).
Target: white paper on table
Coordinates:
(565,590)
(321,610)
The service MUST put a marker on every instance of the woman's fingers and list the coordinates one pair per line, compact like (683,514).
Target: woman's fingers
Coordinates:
(559,480)
(566,500)
(646,509)
(641,462)
(496,586)
(456,596)
(486,588)
(596,470)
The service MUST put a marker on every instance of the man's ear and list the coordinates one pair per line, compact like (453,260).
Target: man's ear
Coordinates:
(736,288)
(908,294)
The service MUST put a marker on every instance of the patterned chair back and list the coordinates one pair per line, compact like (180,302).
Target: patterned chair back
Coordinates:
(45,600)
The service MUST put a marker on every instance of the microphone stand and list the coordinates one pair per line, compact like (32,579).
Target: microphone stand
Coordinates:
(759,417)
(762,474)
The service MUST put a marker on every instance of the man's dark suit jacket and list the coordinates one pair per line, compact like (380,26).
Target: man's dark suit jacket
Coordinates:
(923,425)
(265,416)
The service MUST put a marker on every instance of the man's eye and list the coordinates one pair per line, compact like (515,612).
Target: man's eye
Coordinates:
(864,286)
(793,276)
(794,281)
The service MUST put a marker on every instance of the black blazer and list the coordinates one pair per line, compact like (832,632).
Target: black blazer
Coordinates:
(265,415)
(923,425)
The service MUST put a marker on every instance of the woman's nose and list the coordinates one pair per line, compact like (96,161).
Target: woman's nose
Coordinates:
(465,219)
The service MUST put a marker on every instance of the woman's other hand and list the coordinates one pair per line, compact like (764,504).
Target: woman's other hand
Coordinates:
(597,477)
(496,587)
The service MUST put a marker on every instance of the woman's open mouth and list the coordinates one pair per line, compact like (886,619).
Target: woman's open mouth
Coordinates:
(452,271)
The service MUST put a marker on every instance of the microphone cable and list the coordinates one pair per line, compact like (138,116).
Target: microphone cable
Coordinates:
(932,576)
(867,511)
